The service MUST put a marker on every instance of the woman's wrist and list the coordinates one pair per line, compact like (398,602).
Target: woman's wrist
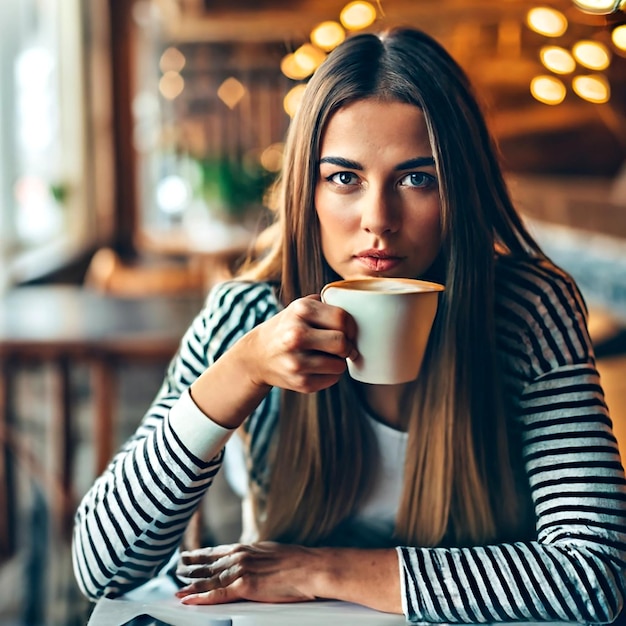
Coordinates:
(319,573)
(225,392)
(367,577)
(202,437)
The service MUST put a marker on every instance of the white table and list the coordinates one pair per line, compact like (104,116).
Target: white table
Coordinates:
(157,600)
(328,613)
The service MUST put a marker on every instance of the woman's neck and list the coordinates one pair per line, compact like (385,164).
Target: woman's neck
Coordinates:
(386,402)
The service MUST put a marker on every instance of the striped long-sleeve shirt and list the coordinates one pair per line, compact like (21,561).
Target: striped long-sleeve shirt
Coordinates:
(131,521)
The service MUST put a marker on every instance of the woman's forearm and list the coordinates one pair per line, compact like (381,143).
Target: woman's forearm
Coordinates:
(367,577)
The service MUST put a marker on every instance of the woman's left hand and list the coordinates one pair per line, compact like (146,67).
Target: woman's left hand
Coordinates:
(263,572)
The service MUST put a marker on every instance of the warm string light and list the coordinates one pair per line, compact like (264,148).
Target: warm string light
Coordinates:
(309,57)
(546,21)
(557,59)
(357,15)
(326,36)
(587,53)
(592,54)
(618,37)
(548,89)
(592,88)
(291,69)
(600,7)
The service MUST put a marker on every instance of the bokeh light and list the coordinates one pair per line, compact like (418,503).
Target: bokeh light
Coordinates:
(290,67)
(230,92)
(171,85)
(592,88)
(328,35)
(557,59)
(173,194)
(547,21)
(291,101)
(172,60)
(592,54)
(548,89)
(357,15)
(309,57)
(272,157)
(618,37)
(598,7)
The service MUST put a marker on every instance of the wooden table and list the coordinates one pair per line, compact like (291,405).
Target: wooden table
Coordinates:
(61,326)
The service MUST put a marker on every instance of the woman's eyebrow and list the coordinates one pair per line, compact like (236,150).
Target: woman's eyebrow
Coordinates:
(417,162)
(341,162)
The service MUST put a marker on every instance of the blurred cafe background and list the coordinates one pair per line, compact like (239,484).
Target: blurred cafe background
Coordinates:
(138,141)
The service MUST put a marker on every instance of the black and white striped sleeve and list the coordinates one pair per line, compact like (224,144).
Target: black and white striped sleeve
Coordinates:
(575,570)
(131,521)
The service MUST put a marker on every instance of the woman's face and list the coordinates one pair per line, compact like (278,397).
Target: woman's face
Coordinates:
(377,196)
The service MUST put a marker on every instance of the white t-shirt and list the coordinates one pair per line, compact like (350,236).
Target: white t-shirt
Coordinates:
(377,514)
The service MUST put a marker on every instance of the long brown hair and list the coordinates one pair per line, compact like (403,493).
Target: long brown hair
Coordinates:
(458,485)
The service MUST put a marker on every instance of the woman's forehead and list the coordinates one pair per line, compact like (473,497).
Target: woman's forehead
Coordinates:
(377,124)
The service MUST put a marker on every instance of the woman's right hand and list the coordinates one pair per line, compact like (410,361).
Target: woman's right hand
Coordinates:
(303,348)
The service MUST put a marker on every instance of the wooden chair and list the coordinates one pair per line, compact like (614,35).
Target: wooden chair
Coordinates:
(108,273)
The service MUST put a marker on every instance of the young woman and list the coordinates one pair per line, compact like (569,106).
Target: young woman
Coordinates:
(489,489)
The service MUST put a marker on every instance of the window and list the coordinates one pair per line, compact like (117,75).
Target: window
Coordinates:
(44,212)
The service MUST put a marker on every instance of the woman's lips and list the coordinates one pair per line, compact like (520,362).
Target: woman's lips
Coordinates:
(378,261)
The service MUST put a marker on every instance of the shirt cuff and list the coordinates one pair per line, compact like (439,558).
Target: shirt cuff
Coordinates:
(197,431)
(403,589)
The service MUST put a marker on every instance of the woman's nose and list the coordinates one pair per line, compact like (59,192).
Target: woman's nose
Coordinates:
(380,213)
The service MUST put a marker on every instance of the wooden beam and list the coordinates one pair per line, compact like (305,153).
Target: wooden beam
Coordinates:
(125,162)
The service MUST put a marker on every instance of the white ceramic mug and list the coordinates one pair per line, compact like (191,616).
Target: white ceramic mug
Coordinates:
(394,317)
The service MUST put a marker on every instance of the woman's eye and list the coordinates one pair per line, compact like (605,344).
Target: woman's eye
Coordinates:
(418,179)
(343,178)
